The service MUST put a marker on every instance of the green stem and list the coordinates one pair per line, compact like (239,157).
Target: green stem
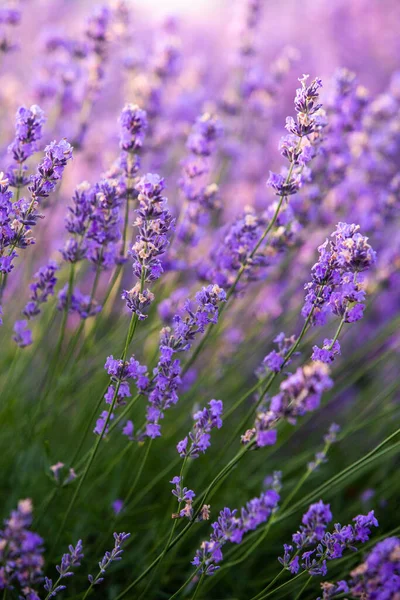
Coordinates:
(183,532)
(198,586)
(303,588)
(261,595)
(95,447)
(188,580)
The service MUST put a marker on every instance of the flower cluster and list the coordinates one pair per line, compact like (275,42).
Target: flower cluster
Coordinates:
(41,289)
(328,545)
(69,560)
(110,557)
(19,217)
(204,421)
(120,373)
(299,393)
(163,390)
(182,494)
(275,360)
(297,147)
(200,198)
(336,282)
(378,577)
(28,131)
(154,222)
(232,525)
(21,550)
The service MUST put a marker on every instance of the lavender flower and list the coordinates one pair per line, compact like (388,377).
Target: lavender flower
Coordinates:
(154,222)
(28,131)
(205,420)
(327,546)
(231,527)
(275,359)
(120,373)
(68,562)
(182,494)
(133,125)
(109,557)
(335,285)
(21,550)
(378,577)
(163,390)
(41,289)
(22,335)
(199,199)
(50,170)
(298,394)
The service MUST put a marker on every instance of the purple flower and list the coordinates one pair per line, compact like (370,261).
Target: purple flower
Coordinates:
(133,125)
(109,557)
(163,389)
(154,222)
(378,577)
(327,545)
(336,285)
(41,289)
(68,562)
(298,394)
(22,335)
(21,550)
(327,353)
(120,373)
(28,131)
(204,421)
(231,527)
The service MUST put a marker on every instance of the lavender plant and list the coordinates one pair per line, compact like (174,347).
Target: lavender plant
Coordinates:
(161,358)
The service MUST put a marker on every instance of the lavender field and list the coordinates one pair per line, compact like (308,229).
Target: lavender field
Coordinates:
(199,299)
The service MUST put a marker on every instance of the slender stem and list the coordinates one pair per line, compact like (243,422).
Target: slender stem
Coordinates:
(183,532)
(303,588)
(261,596)
(198,586)
(188,580)
(271,583)
(95,447)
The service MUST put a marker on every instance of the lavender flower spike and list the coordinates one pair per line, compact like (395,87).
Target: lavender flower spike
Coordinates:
(69,560)
(109,558)
(154,222)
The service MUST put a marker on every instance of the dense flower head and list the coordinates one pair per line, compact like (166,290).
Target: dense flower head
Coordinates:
(298,394)
(133,125)
(300,146)
(232,525)
(327,545)
(378,577)
(28,131)
(163,390)
(204,133)
(22,334)
(336,281)
(50,169)
(154,222)
(200,196)
(204,421)
(41,289)
(21,550)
